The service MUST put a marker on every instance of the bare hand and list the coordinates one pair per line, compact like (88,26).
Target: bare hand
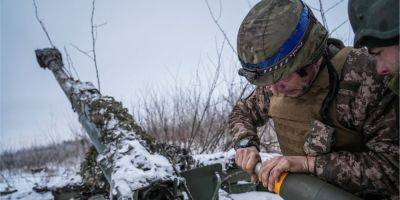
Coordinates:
(272,169)
(247,158)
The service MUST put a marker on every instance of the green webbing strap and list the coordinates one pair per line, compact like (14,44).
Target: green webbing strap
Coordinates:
(333,89)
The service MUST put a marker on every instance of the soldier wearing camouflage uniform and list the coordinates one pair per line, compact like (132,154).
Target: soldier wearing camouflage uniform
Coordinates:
(379,33)
(325,101)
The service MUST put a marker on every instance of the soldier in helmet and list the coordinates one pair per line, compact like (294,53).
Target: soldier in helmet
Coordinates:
(379,33)
(322,98)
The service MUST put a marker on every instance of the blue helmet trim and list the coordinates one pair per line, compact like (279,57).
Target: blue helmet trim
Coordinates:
(288,47)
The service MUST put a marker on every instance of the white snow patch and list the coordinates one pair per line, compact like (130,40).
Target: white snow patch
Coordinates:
(225,158)
(134,168)
(248,196)
(24,181)
(82,86)
(111,123)
(255,196)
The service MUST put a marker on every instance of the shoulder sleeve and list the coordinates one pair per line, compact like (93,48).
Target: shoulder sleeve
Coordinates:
(361,89)
(248,114)
(374,171)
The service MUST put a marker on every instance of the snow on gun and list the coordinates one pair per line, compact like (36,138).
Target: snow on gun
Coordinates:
(129,158)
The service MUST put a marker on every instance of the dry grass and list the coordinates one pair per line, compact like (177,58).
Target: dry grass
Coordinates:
(195,115)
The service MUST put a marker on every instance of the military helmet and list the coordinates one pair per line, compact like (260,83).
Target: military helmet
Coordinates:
(276,38)
(375,23)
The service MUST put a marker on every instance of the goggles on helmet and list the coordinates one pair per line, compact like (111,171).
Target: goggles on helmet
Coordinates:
(288,50)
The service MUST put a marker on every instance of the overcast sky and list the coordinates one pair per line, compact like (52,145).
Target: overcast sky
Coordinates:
(142,45)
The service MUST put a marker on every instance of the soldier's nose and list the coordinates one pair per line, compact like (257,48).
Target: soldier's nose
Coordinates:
(382,69)
(281,87)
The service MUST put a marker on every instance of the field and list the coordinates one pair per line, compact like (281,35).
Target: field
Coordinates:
(33,173)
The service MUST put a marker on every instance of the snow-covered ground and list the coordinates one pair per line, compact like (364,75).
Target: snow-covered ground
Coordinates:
(24,181)
(58,176)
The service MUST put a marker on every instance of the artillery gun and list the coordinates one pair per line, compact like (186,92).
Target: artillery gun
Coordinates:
(138,167)
(133,163)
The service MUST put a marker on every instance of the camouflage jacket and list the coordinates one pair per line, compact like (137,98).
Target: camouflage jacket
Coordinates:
(367,110)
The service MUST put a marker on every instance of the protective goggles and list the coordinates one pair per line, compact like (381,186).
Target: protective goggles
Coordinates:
(287,51)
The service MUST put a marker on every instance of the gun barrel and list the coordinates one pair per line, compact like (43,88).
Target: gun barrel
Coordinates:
(129,158)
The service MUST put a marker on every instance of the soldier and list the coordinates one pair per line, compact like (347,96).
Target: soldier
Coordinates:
(324,100)
(379,33)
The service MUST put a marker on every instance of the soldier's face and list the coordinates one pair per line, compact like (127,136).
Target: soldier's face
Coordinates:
(294,85)
(387,59)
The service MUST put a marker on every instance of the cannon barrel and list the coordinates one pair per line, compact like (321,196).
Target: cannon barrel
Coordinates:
(129,158)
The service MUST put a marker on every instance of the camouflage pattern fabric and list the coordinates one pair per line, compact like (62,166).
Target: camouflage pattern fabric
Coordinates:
(375,171)
(375,23)
(394,83)
(317,143)
(361,106)
(249,114)
(266,27)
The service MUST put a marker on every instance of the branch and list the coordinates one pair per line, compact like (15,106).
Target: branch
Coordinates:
(209,95)
(219,26)
(336,28)
(332,7)
(100,25)
(68,70)
(83,52)
(93,27)
(220,10)
(322,12)
(70,63)
(42,24)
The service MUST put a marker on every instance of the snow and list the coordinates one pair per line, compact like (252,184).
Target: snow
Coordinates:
(59,176)
(137,167)
(126,155)
(226,159)
(79,87)
(248,196)
(255,196)
(29,195)
(24,181)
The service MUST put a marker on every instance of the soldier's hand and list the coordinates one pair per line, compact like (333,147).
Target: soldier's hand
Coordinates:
(272,169)
(247,158)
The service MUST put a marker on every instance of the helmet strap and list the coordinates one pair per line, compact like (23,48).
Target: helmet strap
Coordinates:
(333,89)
